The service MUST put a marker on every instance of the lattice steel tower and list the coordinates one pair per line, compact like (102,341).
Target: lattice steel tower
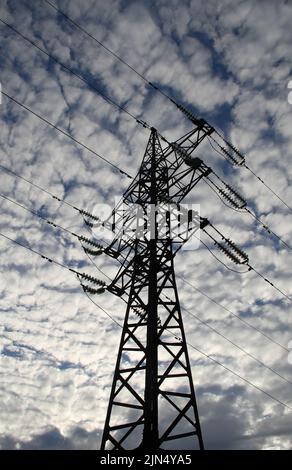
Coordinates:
(152,399)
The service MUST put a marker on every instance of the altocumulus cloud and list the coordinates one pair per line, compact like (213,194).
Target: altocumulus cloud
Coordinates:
(230,60)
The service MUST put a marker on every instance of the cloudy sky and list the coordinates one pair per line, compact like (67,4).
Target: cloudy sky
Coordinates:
(230,62)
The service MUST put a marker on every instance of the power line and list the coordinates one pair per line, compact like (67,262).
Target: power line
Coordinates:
(75,271)
(228,310)
(36,214)
(225,308)
(268,229)
(121,171)
(103,310)
(93,152)
(250,268)
(114,54)
(123,109)
(246,323)
(240,376)
(187,310)
(55,225)
(83,212)
(245,166)
(68,69)
(80,276)
(232,342)
(268,187)
(213,360)
(201,352)
(46,191)
(224,366)
(157,88)
(51,260)
(198,350)
(245,209)
(220,261)
(235,344)
(271,284)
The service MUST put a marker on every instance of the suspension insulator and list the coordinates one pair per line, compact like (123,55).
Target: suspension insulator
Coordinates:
(89,224)
(240,253)
(92,252)
(237,197)
(228,253)
(197,121)
(228,198)
(89,215)
(91,290)
(233,252)
(228,155)
(237,158)
(233,197)
(91,279)
(240,200)
(90,242)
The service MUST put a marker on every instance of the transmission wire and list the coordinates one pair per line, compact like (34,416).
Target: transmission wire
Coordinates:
(51,260)
(102,272)
(9,170)
(114,54)
(233,314)
(96,155)
(189,344)
(235,344)
(68,69)
(208,356)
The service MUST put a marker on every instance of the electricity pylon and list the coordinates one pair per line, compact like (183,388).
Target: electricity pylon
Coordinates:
(152,401)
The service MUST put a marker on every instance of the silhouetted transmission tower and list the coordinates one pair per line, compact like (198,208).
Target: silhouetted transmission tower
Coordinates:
(152,401)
